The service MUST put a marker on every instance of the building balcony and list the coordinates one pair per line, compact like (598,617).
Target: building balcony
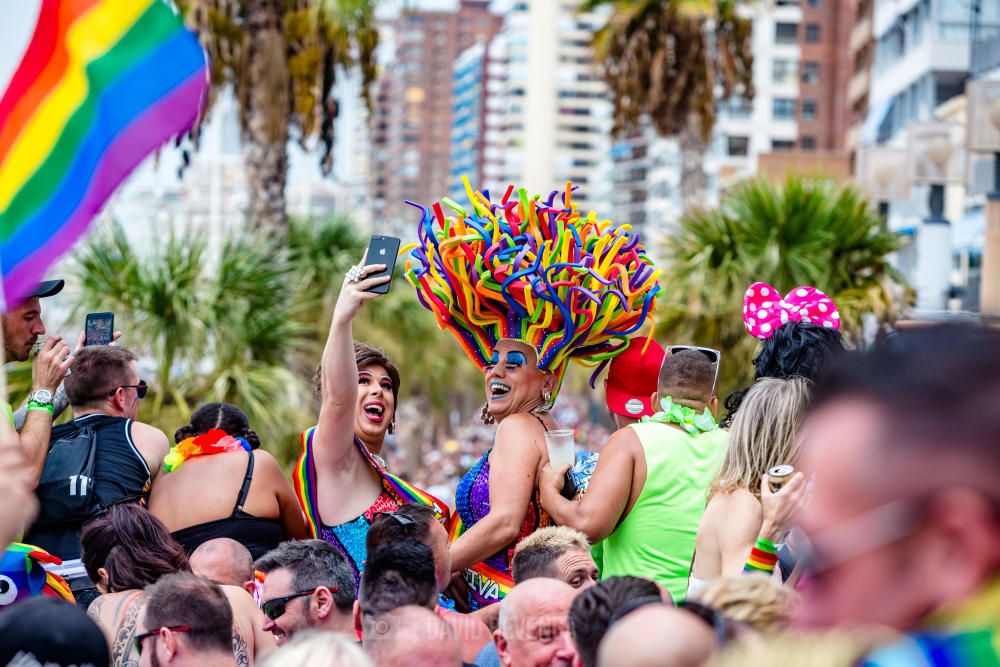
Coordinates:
(857,87)
(861,34)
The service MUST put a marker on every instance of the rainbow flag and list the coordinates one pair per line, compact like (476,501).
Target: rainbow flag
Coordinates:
(102,84)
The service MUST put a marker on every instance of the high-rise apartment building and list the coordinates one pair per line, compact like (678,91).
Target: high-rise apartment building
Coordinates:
(824,71)
(861,50)
(470,82)
(547,117)
(411,137)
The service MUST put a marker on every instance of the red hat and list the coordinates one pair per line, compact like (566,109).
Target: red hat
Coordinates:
(632,378)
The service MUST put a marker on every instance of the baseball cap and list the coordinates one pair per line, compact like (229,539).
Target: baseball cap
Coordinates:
(47,288)
(632,379)
(50,632)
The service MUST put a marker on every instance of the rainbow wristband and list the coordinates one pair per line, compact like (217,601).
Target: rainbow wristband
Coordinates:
(44,407)
(763,557)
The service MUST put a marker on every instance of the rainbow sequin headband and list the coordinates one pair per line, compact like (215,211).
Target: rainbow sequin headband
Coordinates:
(214,441)
(535,271)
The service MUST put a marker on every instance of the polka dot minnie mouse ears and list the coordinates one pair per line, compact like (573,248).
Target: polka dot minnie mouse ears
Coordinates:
(765,310)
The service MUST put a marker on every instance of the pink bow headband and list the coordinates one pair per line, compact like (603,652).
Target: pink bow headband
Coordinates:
(765,310)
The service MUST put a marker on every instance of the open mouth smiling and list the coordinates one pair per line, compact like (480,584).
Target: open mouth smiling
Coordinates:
(375,411)
(498,390)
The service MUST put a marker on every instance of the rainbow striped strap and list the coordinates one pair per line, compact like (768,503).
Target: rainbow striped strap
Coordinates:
(763,557)
(487,585)
(304,481)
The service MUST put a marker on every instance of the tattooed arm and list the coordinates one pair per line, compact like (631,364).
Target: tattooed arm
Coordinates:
(117,615)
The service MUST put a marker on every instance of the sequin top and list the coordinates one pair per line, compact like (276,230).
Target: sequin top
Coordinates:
(472,503)
(350,536)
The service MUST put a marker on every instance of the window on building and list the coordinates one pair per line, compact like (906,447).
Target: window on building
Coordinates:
(786,33)
(807,143)
(739,108)
(779,145)
(812,33)
(738,146)
(784,71)
(783,108)
(810,72)
(809,109)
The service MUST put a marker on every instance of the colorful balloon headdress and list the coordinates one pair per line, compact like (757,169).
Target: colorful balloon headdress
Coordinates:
(535,271)
(765,310)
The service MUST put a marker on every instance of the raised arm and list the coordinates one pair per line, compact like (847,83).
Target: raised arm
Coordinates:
(598,513)
(48,371)
(514,466)
(334,436)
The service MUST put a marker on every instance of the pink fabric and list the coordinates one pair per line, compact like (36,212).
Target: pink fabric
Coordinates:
(765,310)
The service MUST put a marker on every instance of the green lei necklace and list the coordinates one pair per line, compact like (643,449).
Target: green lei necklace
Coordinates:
(683,416)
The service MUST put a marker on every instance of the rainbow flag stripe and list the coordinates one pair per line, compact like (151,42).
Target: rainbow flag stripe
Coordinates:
(304,481)
(102,84)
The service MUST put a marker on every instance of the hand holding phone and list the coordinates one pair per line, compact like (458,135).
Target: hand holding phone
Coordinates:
(99,329)
(382,250)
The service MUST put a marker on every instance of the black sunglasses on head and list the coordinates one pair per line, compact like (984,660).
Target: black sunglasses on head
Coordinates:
(275,608)
(403,520)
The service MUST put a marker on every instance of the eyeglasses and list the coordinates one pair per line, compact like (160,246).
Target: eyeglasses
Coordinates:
(712,354)
(275,608)
(140,389)
(139,639)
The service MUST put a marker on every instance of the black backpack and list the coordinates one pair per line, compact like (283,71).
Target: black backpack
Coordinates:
(66,490)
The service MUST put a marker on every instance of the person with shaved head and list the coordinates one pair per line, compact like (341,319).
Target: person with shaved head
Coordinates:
(648,492)
(534,625)
(657,635)
(224,561)
(413,636)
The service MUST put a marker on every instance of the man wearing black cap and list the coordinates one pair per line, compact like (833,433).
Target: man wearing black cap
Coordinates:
(21,328)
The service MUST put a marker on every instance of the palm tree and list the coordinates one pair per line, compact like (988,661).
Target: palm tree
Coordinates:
(219,326)
(668,63)
(801,233)
(281,59)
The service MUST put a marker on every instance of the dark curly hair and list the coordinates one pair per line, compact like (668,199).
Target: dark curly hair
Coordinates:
(224,416)
(796,349)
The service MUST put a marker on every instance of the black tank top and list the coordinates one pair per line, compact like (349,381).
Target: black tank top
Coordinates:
(120,475)
(258,535)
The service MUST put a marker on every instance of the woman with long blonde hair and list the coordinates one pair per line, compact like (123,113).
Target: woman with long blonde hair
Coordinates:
(764,434)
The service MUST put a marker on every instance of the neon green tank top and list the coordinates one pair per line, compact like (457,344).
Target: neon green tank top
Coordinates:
(656,540)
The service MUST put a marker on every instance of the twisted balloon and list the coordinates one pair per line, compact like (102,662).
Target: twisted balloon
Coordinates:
(532,270)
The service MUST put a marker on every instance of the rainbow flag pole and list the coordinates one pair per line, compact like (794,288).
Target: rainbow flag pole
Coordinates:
(102,84)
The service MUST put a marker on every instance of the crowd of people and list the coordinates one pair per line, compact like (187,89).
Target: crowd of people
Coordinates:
(841,510)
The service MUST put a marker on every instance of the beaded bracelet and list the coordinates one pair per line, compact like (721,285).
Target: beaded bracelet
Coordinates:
(44,407)
(763,557)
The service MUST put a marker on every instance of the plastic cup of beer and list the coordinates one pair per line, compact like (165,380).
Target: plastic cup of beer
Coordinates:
(562,449)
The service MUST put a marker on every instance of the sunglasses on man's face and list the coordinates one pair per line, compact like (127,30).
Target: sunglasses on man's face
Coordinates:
(275,608)
(140,389)
(140,639)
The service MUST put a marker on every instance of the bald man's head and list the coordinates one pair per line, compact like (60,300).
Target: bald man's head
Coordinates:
(657,635)
(412,637)
(223,561)
(534,625)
